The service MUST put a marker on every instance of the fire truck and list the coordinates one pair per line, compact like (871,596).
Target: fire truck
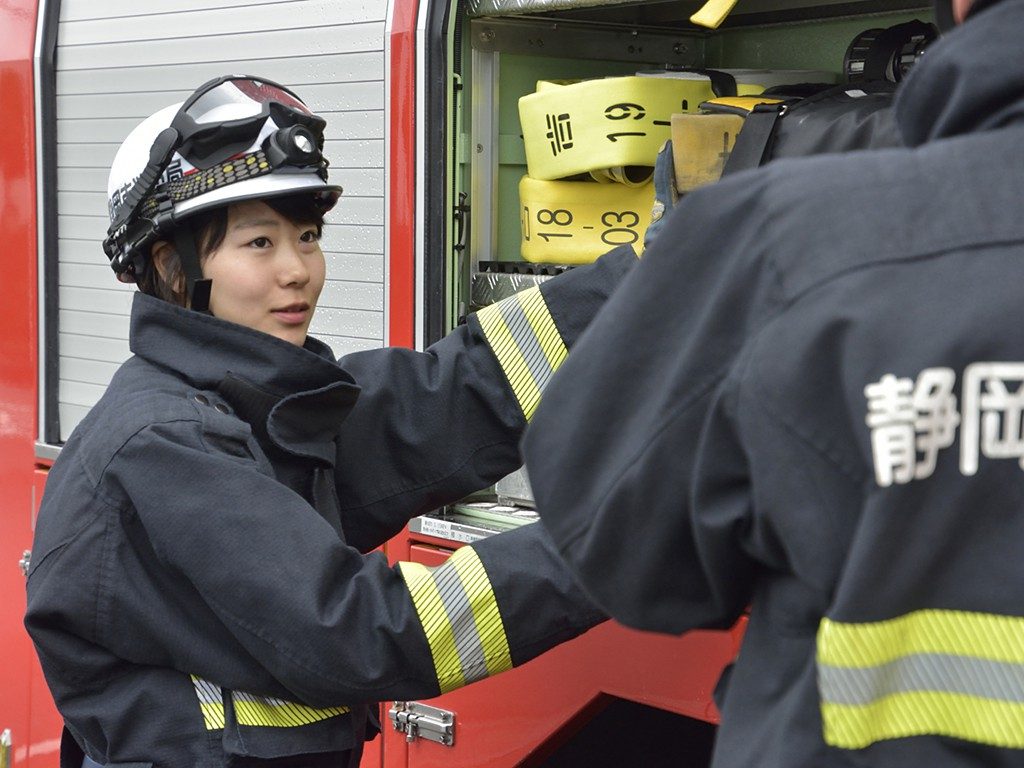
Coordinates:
(421,98)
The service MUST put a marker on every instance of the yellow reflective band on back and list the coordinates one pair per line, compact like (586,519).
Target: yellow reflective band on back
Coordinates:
(525,339)
(275,713)
(940,673)
(460,617)
(923,713)
(981,635)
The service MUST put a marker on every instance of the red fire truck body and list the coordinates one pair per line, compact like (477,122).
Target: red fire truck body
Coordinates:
(398,79)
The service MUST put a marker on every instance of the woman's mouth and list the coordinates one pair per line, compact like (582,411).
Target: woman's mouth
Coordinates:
(293,314)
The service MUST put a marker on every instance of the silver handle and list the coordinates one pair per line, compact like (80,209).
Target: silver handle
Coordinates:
(24,563)
(5,748)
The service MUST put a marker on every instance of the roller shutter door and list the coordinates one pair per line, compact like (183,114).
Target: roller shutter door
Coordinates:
(118,61)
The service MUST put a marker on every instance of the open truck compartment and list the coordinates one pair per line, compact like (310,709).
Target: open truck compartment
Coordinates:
(483,201)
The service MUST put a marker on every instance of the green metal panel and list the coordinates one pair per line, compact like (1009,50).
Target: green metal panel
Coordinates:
(505,7)
(817,45)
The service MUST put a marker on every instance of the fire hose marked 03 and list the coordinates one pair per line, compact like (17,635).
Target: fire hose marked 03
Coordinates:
(933,672)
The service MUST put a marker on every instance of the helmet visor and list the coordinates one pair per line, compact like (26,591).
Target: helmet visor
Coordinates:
(244,97)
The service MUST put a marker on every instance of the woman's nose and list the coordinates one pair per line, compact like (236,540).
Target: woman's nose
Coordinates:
(294,270)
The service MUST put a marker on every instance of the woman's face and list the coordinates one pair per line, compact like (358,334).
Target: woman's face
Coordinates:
(268,272)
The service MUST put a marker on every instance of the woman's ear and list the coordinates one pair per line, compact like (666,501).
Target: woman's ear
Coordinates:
(160,253)
(165,261)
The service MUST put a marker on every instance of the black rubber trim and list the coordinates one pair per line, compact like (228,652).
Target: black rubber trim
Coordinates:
(51,285)
(436,181)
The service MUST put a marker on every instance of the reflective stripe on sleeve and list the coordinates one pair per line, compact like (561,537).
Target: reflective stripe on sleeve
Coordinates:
(276,713)
(942,673)
(526,341)
(459,614)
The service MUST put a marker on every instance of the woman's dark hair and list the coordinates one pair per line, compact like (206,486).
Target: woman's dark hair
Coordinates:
(210,227)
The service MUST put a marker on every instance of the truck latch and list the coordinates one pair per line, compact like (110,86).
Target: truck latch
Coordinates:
(418,720)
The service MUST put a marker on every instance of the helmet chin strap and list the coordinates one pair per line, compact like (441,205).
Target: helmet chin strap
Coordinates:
(197,286)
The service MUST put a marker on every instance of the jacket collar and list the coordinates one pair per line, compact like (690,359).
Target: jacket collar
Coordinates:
(969,80)
(306,393)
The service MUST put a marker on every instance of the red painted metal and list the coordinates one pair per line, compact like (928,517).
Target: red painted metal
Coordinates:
(401,173)
(29,717)
(45,722)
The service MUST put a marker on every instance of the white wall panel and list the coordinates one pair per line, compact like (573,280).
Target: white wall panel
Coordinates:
(96,348)
(299,70)
(210,21)
(121,60)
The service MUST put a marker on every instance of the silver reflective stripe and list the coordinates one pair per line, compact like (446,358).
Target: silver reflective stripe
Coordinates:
(923,672)
(460,613)
(528,343)
(522,333)
(458,610)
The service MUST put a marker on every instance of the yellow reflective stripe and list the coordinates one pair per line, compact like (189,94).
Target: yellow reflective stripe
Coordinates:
(510,357)
(981,635)
(922,713)
(486,615)
(211,703)
(438,629)
(254,710)
(526,341)
(456,605)
(536,310)
(213,716)
(932,672)
(275,713)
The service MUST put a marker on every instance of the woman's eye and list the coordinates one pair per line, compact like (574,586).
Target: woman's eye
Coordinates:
(310,236)
(260,242)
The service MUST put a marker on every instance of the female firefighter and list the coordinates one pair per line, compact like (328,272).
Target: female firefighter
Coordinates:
(202,593)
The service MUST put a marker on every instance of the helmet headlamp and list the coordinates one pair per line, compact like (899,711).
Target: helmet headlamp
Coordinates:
(295,145)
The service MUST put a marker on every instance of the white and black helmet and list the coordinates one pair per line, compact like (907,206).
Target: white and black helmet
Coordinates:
(235,138)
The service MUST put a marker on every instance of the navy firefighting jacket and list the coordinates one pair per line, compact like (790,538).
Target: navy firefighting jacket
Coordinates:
(808,399)
(198,593)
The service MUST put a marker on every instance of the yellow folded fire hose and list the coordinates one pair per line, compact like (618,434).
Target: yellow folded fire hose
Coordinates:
(574,222)
(608,127)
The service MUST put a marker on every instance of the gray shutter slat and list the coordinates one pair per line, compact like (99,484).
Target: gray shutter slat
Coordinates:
(119,61)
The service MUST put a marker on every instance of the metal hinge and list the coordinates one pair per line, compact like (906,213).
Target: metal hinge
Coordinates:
(417,720)
(5,748)
(25,562)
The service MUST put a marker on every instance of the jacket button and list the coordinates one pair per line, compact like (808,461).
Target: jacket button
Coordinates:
(202,399)
(222,408)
